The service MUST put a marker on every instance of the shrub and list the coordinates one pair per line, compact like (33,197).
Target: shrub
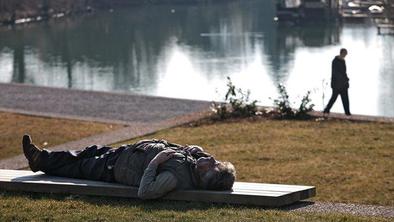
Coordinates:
(305,107)
(282,104)
(237,103)
(283,107)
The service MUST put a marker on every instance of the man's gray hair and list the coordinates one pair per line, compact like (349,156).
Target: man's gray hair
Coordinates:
(224,179)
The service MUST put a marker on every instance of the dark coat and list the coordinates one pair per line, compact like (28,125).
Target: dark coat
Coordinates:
(339,78)
(134,159)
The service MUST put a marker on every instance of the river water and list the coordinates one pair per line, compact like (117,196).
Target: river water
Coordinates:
(187,51)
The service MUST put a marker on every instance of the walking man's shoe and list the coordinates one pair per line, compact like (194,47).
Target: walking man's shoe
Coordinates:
(325,113)
(32,153)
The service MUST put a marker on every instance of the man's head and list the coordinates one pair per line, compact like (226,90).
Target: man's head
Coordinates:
(215,175)
(343,53)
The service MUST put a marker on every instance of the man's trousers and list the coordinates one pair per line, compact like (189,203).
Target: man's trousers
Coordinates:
(93,163)
(344,98)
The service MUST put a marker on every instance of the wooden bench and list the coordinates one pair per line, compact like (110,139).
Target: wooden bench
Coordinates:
(268,195)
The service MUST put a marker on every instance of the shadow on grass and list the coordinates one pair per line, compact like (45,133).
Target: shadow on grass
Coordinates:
(145,205)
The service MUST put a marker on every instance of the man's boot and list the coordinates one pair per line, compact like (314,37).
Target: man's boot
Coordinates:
(32,153)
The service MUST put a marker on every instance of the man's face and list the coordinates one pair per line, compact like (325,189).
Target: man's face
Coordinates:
(344,54)
(207,168)
(206,164)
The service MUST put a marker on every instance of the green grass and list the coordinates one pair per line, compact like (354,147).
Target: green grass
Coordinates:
(44,207)
(346,161)
(46,132)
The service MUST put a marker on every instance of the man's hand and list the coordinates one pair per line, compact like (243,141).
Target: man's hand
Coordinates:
(163,156)
(192,149)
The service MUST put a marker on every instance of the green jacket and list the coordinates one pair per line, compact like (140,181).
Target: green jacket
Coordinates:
(131,168)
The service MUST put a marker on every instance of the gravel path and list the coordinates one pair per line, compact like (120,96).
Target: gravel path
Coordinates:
(99,106)
(354,209)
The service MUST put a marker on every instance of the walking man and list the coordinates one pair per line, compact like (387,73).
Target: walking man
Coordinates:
(339,82)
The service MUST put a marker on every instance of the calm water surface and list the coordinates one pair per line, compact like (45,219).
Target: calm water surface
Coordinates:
(188,51)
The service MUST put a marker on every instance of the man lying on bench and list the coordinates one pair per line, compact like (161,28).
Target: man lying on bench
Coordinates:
(155,166)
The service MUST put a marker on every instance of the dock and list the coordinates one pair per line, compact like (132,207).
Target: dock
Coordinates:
(388,27)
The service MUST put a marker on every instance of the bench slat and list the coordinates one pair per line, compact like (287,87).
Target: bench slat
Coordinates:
(270,195)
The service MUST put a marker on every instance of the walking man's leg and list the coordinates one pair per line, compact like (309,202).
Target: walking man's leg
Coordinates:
(345,101)
(333,98)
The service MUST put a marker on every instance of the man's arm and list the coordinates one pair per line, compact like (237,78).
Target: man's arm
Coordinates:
(334,71)
(196,151)
(154,186)
(344,71)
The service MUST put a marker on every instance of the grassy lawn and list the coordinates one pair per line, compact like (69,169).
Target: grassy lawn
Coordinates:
(43,207)
(347,162)
(46,132)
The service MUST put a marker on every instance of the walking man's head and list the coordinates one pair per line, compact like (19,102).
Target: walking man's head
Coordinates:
(215,175)
(343,53)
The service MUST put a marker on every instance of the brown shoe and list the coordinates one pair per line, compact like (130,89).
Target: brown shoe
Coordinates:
(32,153)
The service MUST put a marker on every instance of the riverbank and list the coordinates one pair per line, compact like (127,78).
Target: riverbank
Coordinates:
(348,161)
(343,143)
(25,11)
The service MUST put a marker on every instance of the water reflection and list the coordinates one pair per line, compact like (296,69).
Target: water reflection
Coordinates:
(385,105)
(187,51)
